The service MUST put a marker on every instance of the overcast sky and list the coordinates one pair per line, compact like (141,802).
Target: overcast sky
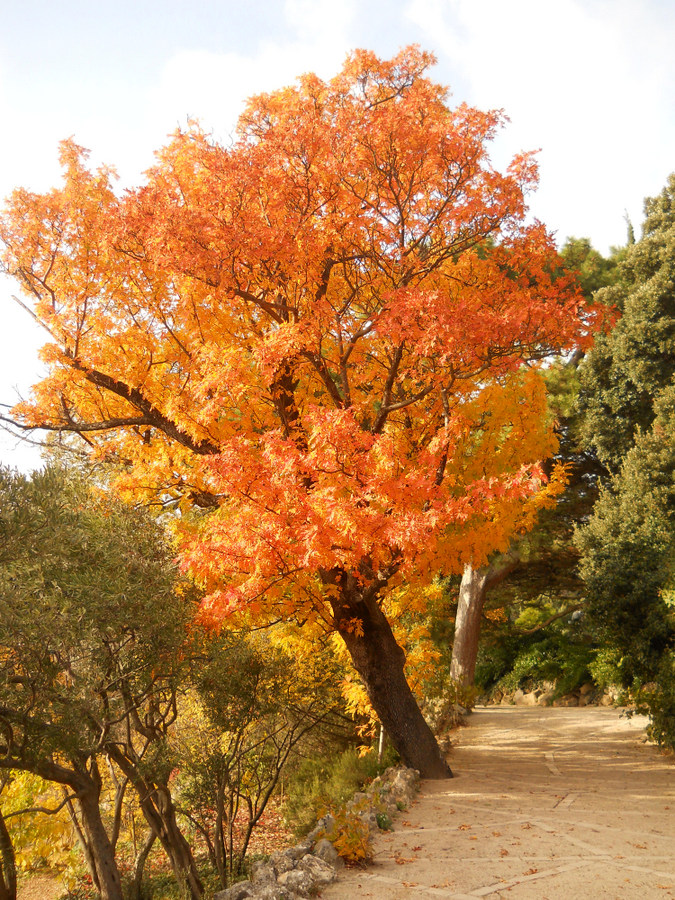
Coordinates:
(589,82)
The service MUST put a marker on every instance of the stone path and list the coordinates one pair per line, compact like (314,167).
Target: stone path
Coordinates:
(547,804)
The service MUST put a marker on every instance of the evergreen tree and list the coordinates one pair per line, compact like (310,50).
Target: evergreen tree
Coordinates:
(628,409)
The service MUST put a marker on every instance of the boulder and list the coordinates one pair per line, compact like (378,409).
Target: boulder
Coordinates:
(320,872)
(326,851)
(239,891)
(262,873)
(297,881)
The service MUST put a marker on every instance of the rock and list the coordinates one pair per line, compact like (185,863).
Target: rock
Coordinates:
(297,881)
(262,873)
(568,700)
(369,818)
(282,862)
(545,698)
(239,891)
(405,784)
(324,828)
(586,688)
(320,872)
(518,697)
(272,892)
(326,851)
(300,850)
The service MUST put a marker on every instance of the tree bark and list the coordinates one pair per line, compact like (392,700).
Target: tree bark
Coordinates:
(98,848)
(380,662)
(160,814)
(7,864)
(472,593)
(139,866)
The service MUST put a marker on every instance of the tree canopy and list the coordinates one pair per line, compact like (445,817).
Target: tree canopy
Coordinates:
(323,334)
(627,405)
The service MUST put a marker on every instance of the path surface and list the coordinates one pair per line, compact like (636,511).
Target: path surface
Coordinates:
(546,804)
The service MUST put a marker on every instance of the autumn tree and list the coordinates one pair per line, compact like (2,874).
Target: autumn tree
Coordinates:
(323,335)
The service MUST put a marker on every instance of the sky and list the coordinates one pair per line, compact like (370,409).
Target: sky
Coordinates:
(588,83)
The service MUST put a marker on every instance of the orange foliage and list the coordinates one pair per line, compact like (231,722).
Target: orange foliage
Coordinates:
(319,333)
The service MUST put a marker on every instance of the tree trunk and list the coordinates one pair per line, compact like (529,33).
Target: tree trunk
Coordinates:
(7,864)
(160,814)
(379,661)
(472,593)
(98,848)
(139,866)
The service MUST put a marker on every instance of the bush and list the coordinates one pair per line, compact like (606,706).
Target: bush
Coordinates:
(556,656)
(328,781)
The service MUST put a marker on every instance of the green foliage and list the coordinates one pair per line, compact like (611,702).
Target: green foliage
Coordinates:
(86,599)
(628,368)
(628,405)
(606,667)
(384,822)
(594,270)
(657,699)
(326,782)
(556,657)
(93,639)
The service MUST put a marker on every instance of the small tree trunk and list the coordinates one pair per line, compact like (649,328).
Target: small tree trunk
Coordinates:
(7,864)
(473,590)
(139,866)
(380,661)
(160,814)
(98,848)
(472,593)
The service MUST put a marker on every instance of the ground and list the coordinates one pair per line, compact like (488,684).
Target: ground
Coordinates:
(547,804)
(40,887)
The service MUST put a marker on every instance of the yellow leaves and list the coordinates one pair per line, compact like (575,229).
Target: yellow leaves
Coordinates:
(352,626)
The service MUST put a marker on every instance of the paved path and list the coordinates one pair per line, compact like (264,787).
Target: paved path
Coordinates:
(547,804)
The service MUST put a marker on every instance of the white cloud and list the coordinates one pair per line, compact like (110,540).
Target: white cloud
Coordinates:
(212,87)
(585,81)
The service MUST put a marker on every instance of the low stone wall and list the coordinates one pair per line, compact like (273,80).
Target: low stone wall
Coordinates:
(304,869)
(587,695)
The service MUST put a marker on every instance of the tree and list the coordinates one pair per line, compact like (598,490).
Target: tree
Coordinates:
(631,365)
(546,560)
(7,863)
(252,709)
(627,403)
(316,336)
(90,633)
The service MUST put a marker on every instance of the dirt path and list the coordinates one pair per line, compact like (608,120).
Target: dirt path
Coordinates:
(547,804)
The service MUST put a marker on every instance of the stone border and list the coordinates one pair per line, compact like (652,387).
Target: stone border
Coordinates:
(302,870)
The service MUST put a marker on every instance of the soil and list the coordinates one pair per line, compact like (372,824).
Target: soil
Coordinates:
(546,804)
(40,887)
